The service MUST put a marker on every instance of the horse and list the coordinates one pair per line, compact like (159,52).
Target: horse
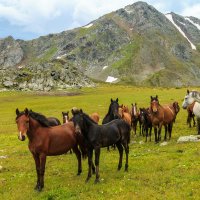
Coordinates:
(161,115)
(124,114)
(53,121)
(113,113)
(97,136)
(94,116)
(146,122)
(135,118)
(47,141)
(65,117)
(191,115)
(192,99)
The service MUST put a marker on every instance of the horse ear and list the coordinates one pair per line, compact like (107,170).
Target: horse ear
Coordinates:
(117,100)
(132,104)
(111,100)
(188,91)
(17,112)
(156,96)
(151,97)
(26,111)
(81,111)
(72,112)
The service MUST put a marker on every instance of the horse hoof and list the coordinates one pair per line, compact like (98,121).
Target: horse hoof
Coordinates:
(96,181)
(87,179)
(119,167)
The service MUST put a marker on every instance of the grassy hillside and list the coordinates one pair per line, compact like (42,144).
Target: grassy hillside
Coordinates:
(155,172)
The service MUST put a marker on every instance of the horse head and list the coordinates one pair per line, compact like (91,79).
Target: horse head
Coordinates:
(176,107)
(65,117)
(22,121)
(77,119)
(114,108)
(154,104)
(189,99)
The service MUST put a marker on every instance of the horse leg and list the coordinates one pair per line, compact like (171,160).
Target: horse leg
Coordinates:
(159,132)
(78,156)
(90,152)
(198,126)
(194,122)
(165,138)
(93,168)
(37,165)
(120,149)
(42,170)
(97,155)
(146,130)
(126,147)
(155,132)
(170,130)
(150,133)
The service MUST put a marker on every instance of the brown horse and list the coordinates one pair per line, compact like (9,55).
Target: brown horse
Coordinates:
(95,117)
(191,115)
(124,114)
(47,141)
(135,117)
(161,115)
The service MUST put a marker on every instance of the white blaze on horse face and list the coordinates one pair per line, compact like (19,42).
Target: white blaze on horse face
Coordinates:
(77,129)
(20,135)
(66,119)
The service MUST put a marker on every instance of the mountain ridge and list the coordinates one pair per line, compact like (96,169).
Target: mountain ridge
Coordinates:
(136,44)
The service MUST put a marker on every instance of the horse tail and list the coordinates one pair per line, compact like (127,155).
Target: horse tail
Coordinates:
(82,145)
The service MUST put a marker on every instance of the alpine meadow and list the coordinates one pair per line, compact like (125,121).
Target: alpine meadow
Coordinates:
(155,171)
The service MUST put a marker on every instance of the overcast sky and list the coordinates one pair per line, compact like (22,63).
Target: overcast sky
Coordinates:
(28,19)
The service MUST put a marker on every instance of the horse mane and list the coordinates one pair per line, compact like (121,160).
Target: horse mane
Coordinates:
(89,118)
(40,118)
(195,95)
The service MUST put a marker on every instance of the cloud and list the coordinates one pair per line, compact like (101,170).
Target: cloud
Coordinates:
(49,16)
(193,10)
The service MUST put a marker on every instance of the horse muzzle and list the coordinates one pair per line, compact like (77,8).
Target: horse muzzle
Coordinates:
(184,106)
(21,137)
(77,129)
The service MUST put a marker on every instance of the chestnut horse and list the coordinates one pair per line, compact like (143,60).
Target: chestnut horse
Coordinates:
(135,118)
(47,141)
(124,114)
(161,115)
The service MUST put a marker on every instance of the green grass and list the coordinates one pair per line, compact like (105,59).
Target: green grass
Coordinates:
(155,172)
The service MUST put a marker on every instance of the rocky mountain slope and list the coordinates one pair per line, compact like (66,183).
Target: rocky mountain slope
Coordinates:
(136,44)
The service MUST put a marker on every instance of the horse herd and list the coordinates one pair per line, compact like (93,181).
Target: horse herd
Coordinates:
(83,134)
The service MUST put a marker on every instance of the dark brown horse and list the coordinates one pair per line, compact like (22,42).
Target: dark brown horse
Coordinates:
(191,115)
(65,117)
(161,115)
(53,121)
(47,141)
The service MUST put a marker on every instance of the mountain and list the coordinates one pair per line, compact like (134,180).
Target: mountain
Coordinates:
(137,44)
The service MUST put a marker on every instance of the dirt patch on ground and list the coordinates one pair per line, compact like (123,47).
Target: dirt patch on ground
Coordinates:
(57,93)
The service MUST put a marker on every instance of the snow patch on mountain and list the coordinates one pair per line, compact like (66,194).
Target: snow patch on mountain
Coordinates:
(197,25)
